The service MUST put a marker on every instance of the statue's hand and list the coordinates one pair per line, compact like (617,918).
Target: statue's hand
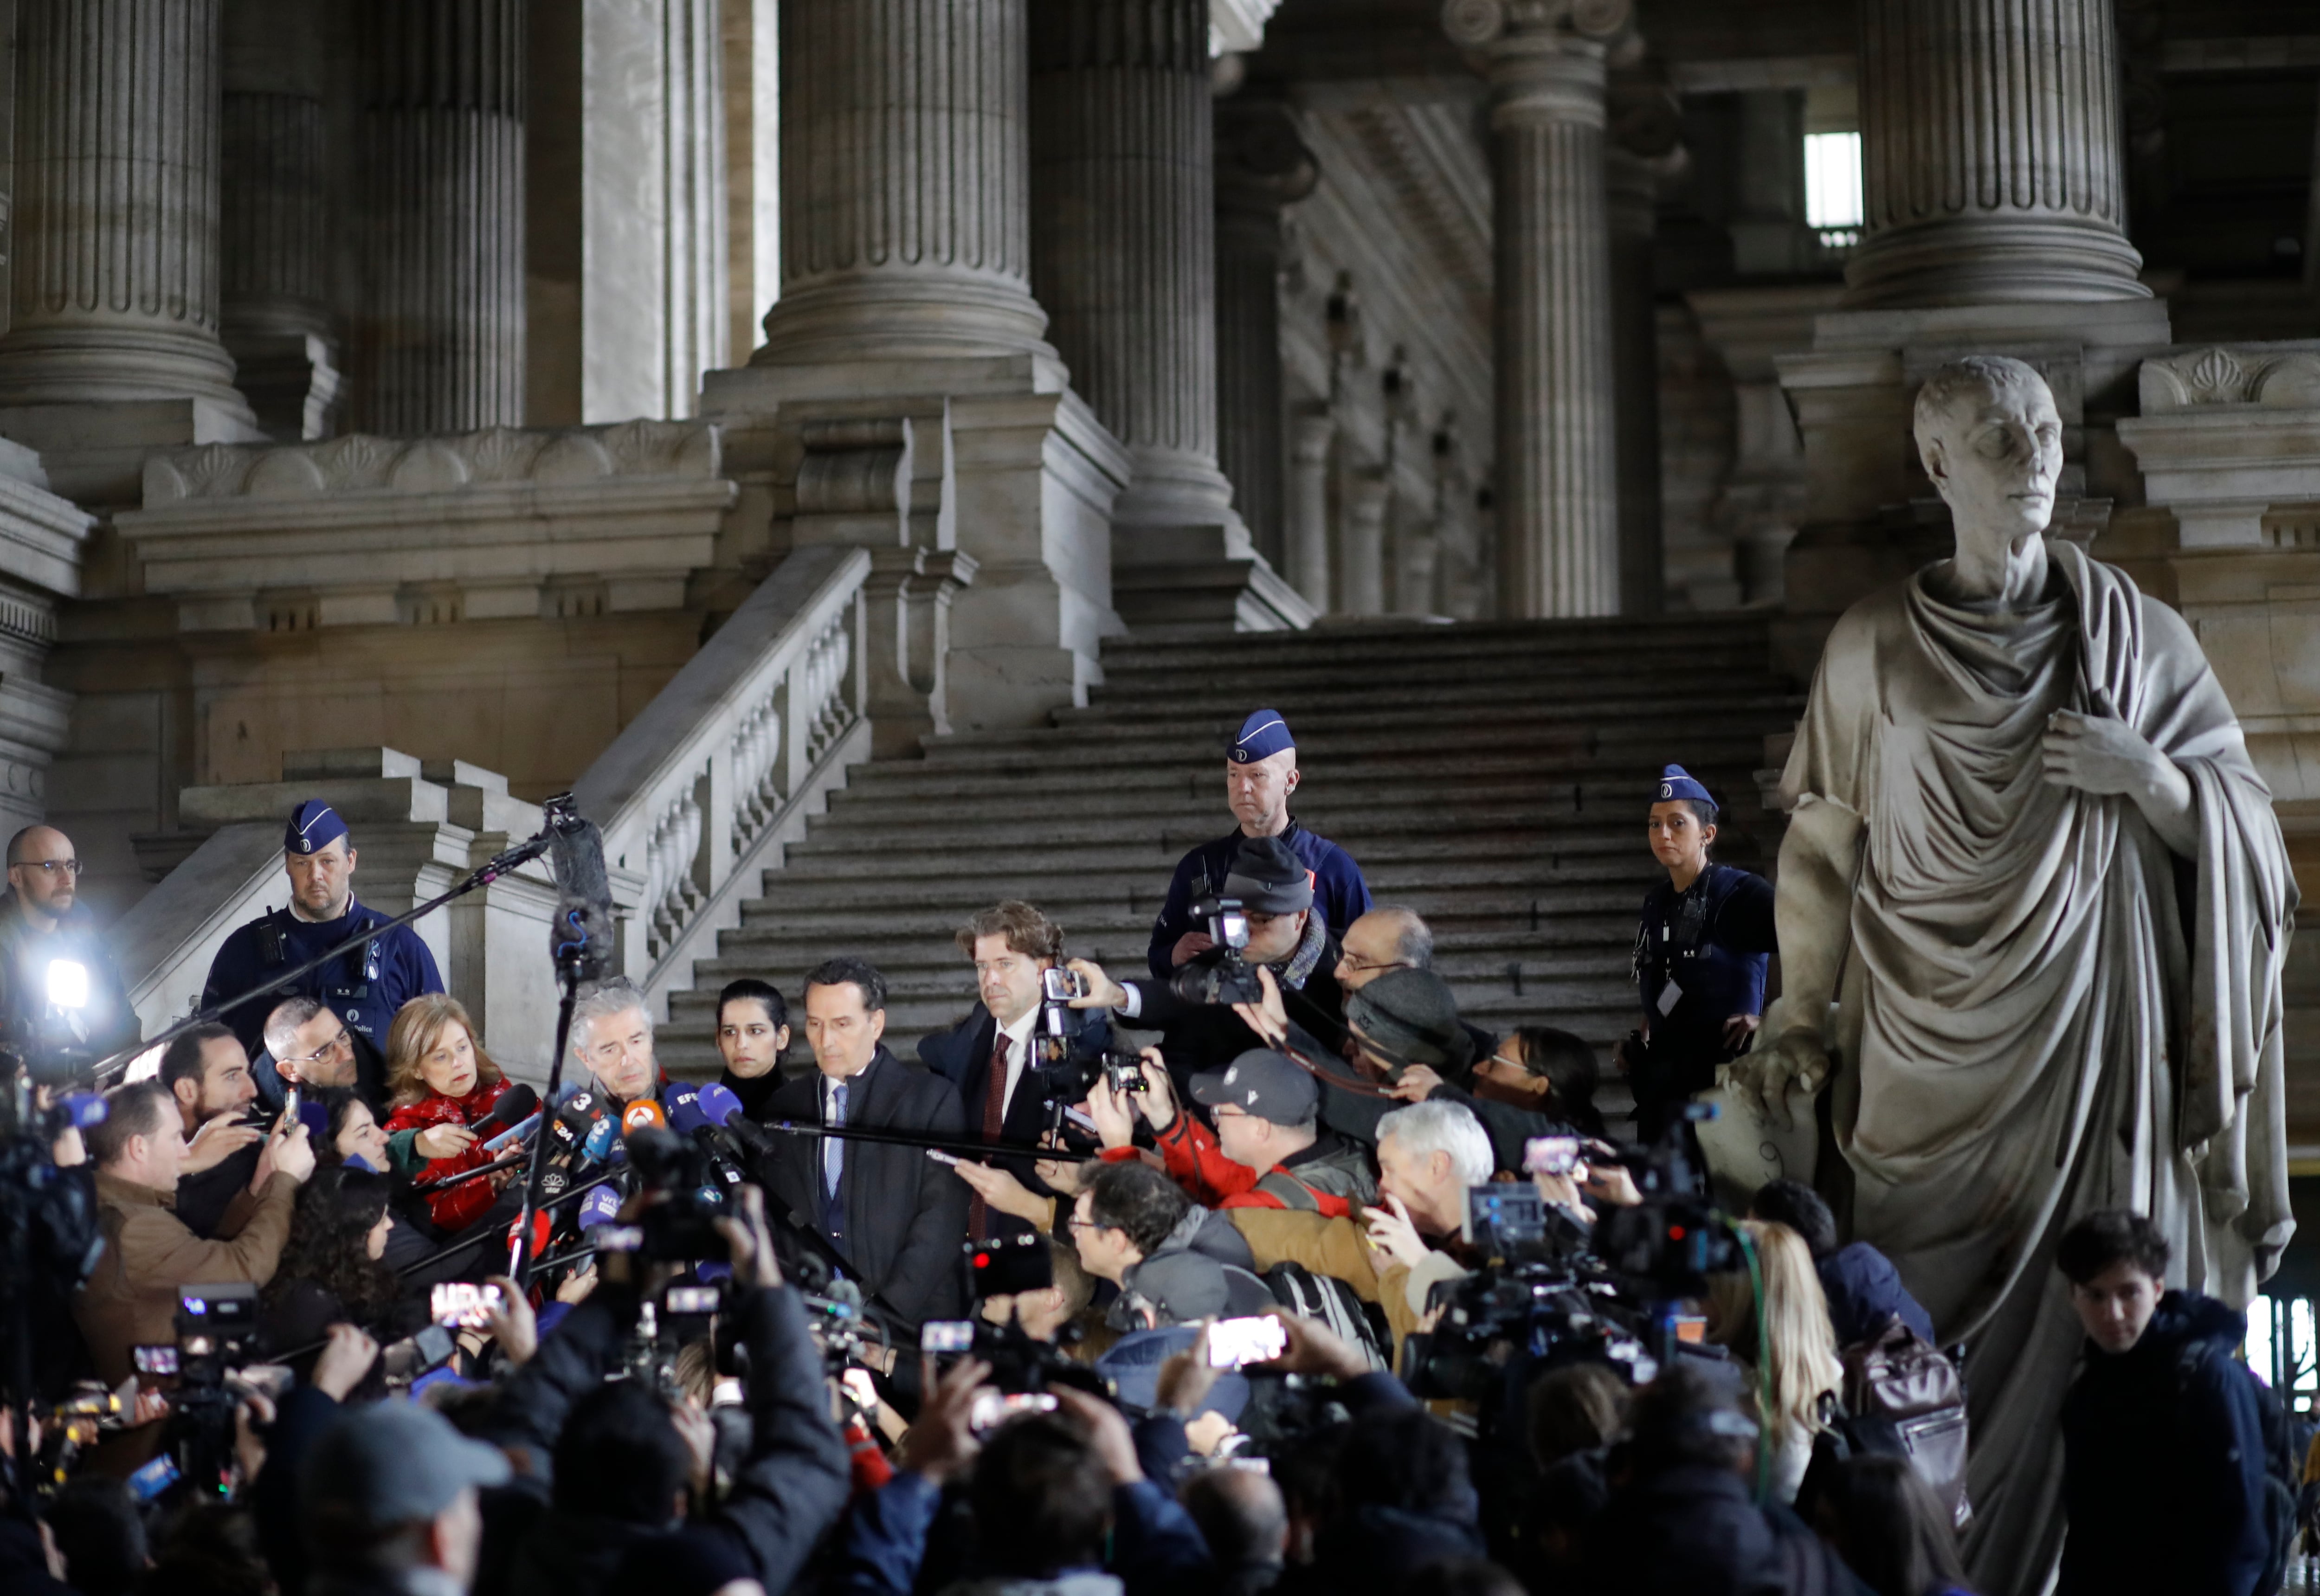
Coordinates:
(1761,1080)
(2100,753)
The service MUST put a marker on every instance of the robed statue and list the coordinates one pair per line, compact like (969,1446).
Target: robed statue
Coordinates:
(2033,868)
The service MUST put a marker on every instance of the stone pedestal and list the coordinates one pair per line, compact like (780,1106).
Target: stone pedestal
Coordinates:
(1123,248)
(1990,156)
(439,343)
(906,302)
(274,254)
(1557,457)
(1261,165)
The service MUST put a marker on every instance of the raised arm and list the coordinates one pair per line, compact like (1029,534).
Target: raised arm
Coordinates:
(1813,909)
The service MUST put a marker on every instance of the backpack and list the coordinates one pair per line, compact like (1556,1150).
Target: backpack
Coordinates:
(1334,1303)
(1903,1398)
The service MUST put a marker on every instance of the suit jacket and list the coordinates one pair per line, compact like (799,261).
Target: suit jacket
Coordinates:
(962,1055)
(905,1214)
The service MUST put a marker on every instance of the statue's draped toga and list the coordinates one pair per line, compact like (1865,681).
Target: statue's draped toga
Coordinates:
(2044,1011)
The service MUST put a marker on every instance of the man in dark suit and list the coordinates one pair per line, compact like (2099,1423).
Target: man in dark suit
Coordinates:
(994,1056)
(896,1214)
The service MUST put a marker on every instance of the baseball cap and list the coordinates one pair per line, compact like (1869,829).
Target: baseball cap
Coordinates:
(395,1463)
(1268,877)
(1262,1082)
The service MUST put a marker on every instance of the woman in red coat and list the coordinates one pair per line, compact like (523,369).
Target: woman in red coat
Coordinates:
(439,1082)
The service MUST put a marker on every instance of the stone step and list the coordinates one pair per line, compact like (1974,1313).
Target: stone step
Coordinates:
(1687,699)
(844,915)
(1637,740)
(1488,644)
(953,848)
(1430,826)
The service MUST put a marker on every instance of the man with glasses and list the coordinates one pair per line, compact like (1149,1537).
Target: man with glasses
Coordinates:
(363,987)
(43,926)
(1387,939)
(310,1046)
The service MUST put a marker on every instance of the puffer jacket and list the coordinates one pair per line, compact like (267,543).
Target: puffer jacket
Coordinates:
(452,1208)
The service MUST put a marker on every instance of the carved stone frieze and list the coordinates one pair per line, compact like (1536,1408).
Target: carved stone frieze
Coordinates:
(361,462)
(2279,378)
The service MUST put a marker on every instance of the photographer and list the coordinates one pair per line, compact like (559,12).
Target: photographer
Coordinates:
(1286,937)
(619,1467)
(988,1054)
(311,1048)
(1173,1261)
(208,1077)
(132,1299)
(1268,1149)
(1428,1154)
(1050,1494)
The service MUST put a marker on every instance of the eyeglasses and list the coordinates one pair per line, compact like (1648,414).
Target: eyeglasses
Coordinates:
(52,866)
(323,1052)
(1352,963)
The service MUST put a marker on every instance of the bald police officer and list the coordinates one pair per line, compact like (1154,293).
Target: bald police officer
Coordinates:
(363,987)
(1701,956)
(1259,775)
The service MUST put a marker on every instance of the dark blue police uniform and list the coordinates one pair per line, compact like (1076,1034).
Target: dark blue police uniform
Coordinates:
(364,986)
(1339,893)
(1700,957)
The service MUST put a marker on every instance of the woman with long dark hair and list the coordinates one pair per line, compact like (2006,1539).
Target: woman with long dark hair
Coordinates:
(1548,1070)
(329,1273)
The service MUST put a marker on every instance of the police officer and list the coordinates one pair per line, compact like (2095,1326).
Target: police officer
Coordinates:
(1700,957)
(364,986)
(1259,775)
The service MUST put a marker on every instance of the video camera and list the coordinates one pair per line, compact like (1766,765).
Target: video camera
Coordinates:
(684,1193)
(1229,978)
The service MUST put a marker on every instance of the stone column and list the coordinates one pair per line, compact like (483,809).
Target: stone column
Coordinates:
(1990,155)
(905,228)
(1261,165)
(1362,579)
(1646,126)
(274,257)
(1557,459)
(115,254)
(1311,436)
(439,344)
(1123,237)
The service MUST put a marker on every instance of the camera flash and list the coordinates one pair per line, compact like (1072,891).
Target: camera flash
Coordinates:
(68,984)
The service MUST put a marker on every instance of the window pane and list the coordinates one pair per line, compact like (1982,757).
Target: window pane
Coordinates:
(1833,181)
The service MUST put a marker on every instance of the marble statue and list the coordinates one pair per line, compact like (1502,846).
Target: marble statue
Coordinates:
(2033,905)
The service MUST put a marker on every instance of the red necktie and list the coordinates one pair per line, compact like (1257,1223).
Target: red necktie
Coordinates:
(994,1120)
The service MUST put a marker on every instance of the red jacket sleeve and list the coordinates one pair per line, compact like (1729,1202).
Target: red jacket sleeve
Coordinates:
(1197,1164)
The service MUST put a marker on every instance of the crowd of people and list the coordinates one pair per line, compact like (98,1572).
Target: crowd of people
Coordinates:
(1262,1268)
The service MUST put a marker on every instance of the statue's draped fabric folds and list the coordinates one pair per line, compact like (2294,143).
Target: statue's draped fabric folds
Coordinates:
(2045,1010)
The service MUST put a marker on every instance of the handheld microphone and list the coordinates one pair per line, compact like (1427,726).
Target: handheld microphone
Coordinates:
(685,1115)
(642,1112)
(721,1108)
(518,1104)
(599,1207)
(580,936)
(603,1143)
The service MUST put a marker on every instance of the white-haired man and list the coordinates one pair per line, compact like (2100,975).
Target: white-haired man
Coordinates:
(612,1037)
(1428,1154)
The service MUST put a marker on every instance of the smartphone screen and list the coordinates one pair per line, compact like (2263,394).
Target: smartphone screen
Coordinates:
(1234,1342)
(463,1305)
(946,1335)
(692,1299)
(154,1478)
(154,1360)
(1550,1154)
(992,1410)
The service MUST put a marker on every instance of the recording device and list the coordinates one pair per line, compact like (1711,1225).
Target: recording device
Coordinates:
(682,1199)
(694,1301)
(289,1107)
(1009,1266)
(154,1360)
(942,1336)
(580,936)
(1060,985)
(1229,978)
(1236,1343)
(463,1305)
(1504,1219)
(1551,1155)
(992,1408)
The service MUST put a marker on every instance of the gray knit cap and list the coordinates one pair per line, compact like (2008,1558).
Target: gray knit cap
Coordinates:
(1411,1016)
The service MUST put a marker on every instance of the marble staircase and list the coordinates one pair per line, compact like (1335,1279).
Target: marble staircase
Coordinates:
(1491,776)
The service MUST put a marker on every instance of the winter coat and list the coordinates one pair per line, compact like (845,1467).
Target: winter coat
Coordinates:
(1864,1290)
(453,1208)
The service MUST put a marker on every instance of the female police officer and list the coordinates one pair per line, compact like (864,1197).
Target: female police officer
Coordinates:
(1700,956)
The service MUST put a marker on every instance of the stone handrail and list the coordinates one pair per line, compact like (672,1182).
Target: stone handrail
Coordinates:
(700,793)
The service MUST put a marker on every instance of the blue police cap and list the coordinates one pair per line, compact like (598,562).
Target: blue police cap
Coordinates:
(1675,782)
(313,826)
(1263,735)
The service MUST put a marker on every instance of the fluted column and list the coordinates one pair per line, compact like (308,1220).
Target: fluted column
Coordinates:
(1261,165)
(1123,237)
(1990,155)
(1362,567)
(439,346)
(1644,149)
(1557,464)
(114,266)
(274,312)
(905,229)
(1311,435)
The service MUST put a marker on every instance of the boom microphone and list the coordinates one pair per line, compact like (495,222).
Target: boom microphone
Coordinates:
(580,938)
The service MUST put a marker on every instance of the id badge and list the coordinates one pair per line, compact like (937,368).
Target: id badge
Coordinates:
(1670,996)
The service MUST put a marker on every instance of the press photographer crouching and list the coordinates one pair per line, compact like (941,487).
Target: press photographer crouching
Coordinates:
(1174,1261)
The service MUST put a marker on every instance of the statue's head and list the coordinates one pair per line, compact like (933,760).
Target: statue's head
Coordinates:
(1992,441)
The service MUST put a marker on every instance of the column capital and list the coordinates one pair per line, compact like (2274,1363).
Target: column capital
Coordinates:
(1545,59)
(1263,162)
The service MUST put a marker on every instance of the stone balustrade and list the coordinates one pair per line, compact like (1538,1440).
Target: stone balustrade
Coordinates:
(699,794)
